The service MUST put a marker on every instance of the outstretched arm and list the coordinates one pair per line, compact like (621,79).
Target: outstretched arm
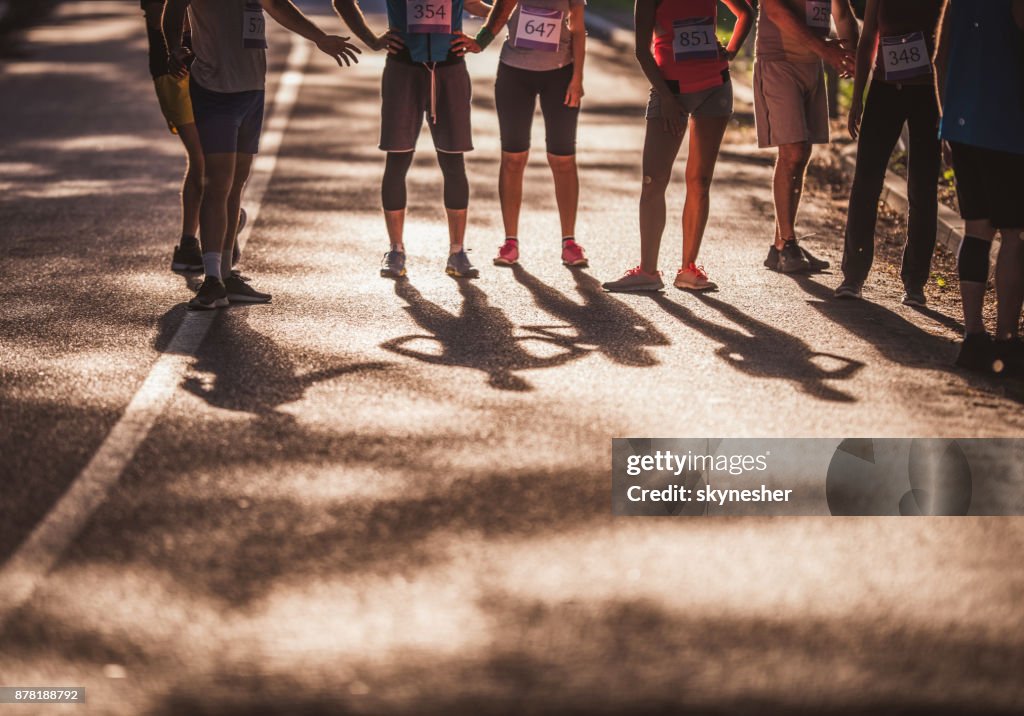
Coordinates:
(291,18)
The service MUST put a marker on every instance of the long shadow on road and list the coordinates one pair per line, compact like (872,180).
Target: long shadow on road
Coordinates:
(766,352)
(480,337)
(615,329)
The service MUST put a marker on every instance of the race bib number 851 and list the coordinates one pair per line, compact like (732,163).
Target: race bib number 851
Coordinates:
(905,56)
(694,39)
(538,29)
(819,16)
(254,26)
(427,16)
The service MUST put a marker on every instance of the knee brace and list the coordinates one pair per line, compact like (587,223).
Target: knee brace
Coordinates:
(972,262)
(392,190)
(456,185)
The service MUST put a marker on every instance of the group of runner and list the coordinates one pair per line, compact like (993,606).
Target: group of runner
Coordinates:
(209,66)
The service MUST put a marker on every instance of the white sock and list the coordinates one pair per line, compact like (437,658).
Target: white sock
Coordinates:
(211,263)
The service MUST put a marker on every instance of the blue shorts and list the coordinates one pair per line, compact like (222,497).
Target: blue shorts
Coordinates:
(228,122)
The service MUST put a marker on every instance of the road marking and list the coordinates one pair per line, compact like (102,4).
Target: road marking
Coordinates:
(28,566)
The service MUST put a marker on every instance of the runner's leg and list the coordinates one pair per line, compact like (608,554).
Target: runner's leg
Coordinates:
(393,196)
(219,176)
(243,167)
(660,150)
(192,186)
(515,99)
(706,134)
(1009,283)
(787,187)
(560,124)
(456,197)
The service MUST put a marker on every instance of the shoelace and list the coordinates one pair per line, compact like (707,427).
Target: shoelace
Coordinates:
(699,270)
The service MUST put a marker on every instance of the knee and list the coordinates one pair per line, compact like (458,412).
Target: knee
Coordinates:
(514,161)
(794,157)
(973,259)
(216,186)
(562,164)
(698,184)
(654,186)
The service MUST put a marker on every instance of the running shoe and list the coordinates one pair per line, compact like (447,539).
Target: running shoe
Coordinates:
(572,254)
(1009,357)
(635,279)
(915,297)
(850,290)
(460,267)
(187,255)
(508,253)
(790,259)
(813,262)
(239,290)
(393,264)
(694,278)
(211,294)
(978,353)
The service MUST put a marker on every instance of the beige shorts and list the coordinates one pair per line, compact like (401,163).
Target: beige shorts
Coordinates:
(790,103)
(175,102)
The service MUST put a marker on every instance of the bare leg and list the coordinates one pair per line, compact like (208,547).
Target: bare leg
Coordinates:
(243,166)
(567,190)
(219,175)
(1010,283)
(972,293)
(706,135)
(395,223)
(788,187)
(456,229)
(192,186)
(660,150)
(510,189)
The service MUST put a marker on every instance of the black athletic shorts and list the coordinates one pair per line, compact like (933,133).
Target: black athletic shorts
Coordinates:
(989,185)
(515,97)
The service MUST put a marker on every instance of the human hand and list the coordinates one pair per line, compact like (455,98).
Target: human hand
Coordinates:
(463,43)
(574,93)
(339,48)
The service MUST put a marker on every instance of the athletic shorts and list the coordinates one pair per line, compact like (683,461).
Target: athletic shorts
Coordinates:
(406,93)
(175,102)
(989,185)
(515,97)
(713,102)
(790,103)
(228,122)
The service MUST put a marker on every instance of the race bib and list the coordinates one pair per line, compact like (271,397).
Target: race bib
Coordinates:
(819,16)
(254,26)
(694,39)
(428,16)
(905,56)
(538,29)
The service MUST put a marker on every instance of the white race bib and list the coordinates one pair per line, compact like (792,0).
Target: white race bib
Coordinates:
(694,39)
(819,16)
(254,26)
(905,56)
(427,16)
(538,29)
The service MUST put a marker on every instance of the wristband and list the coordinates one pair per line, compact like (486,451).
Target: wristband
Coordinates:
(484,37)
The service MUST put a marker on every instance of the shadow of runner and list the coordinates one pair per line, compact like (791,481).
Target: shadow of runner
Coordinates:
(479,337)
(615,329)
(251,373)
(767,352)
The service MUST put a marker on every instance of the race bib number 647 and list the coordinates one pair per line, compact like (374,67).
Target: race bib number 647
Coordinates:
(538,29)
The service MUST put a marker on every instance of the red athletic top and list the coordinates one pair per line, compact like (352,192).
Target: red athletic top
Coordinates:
(684,44)
(900,18)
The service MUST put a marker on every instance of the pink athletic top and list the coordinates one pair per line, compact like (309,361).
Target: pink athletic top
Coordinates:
(684,44)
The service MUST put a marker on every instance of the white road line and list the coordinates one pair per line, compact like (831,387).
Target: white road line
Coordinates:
(29,565)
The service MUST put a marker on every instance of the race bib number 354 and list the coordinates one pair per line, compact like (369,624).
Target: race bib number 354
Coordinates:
(694,39)
(905,56)
(254,27)
(427,16)
(819,16)
(538,29)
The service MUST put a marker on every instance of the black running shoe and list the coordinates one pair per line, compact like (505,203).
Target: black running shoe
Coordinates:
(790,259)
(1009,357)
(813,262)
(977,353)
(187,255)
(239,290)
(211,295)
(850,290)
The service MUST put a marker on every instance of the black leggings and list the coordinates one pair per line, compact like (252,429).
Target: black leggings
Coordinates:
(515,97)
(888,107)
(453,167)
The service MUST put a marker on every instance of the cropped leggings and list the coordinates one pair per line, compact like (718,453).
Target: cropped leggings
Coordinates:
(515,96)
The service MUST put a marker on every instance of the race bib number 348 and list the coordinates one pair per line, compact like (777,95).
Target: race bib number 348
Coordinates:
(819,16)
(694,39)
(427,16)
(538,29)
(254,26)
(905,56)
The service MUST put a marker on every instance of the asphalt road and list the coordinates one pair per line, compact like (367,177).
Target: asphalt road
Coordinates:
(381,497)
